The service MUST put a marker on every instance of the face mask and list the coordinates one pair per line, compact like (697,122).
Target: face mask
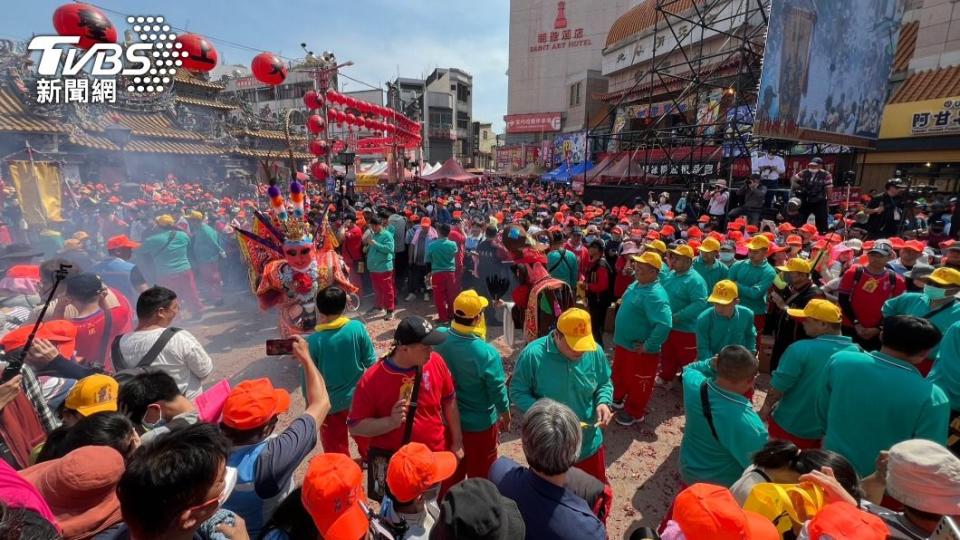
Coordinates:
(726,256)
(148,426)
(934,293)
(590,239)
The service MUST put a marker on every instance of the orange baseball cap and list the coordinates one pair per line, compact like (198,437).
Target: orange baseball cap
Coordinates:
(253,403)
(708,511)
(62,334)
(809,228)
(794,240)
(694,232)
(843,521)
(425,222)
(121,241)
(914,245)
(704,219)
(415,468)
(333,496)
(786,227)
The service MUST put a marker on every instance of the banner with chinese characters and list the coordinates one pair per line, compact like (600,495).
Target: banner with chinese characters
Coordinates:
(921,118)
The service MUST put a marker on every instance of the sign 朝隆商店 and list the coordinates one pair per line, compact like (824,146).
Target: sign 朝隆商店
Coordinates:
(533,123)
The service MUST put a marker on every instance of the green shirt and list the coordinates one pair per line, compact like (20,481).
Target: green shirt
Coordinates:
(753,282)
(918,305)
(582,385)
(722,459)
(711,274)
(715,332)
(341,354)
(380,251)
(946,370)
(441,255)
(688,298)
(567,269)
(870,401)
(644,317)
(205,244)
(477,371)
(169,256)
(799,376)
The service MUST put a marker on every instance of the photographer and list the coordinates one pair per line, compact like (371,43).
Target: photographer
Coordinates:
(769,168)
(813,186)
(886,211)
(752,196)
(716,200)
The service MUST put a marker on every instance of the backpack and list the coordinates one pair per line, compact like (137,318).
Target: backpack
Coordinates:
(125,372)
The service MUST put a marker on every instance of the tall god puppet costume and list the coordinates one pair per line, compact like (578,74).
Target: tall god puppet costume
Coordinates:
(289,263)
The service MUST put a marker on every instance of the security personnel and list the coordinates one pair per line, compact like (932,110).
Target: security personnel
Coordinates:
(480,382)
(725,323)
(707,265)
(792,397)
(643,323)
(688,298)
(722,431)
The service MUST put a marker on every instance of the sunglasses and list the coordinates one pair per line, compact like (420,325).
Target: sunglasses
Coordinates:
(294,253)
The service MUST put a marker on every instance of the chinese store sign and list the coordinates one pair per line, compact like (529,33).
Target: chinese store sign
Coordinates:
(533,123)
(921,118)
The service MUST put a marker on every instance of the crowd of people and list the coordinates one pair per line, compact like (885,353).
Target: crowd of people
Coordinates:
(111,428)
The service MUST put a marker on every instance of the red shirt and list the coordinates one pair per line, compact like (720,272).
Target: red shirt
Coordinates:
(383,384)
(353,244)
(869,295)
(461,241)
(583,256)
(90,333)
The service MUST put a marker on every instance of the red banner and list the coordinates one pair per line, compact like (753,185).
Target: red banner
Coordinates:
(533,123)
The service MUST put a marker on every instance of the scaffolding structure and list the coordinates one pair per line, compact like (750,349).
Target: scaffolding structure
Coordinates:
(687,142)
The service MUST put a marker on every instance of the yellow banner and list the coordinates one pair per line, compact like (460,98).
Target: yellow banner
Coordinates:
(921,118)
(38,189)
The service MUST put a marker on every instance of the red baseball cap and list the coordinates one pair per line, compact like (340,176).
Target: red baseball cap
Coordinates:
(843,521)
(62,334)
(333,496)
(121,241)
(809,228)
(694,232)
(914,245)
(415,468)
(786,227)
(253,403)
(794,240)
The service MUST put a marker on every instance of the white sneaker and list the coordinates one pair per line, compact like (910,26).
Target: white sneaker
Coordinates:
(426,297)
(411,297)
(617,405)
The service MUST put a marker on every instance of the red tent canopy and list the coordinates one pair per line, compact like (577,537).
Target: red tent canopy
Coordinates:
(452,172)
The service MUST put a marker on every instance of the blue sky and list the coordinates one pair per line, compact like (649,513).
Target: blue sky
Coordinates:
(379,36)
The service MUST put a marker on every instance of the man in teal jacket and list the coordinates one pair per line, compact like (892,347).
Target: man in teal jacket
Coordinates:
(946,375)
(477,370)
(707,265)
(688,299)
(380,264)
(168,249)
(207,252)
(642,325)
(726,323)
(567,366)
(754,277)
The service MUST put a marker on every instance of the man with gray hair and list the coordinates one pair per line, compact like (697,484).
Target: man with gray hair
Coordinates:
(551,439)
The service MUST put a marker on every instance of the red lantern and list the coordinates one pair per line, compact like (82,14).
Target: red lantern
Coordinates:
(312,100)
(320,171)
(341,117)
(331,95)
(351,120)
(85,21)
(315,124)
(318,147)
(268,68)
(201,56)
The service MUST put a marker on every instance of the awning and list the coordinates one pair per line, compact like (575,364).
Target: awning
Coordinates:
(270,154)
(146,146)
(15,118)
(211,103)
(923,156)
(931,84)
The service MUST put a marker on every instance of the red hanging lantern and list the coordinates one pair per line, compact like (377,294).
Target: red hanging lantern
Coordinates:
(318,147)
(331,95)
(86,22)
(351,120)
(268,68)
(320,170)
(312,100)
(315,124)
(201,56)
(341,117)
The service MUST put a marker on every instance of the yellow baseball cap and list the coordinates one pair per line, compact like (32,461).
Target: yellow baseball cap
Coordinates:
(650,258)
(724,292)
(758,242)
(165,220)
(195,215)
(796,264)
(683,250)
(948,277)
(820,310)
(469,304)
(93,394)
(657,245)
(710,245)
(574,324)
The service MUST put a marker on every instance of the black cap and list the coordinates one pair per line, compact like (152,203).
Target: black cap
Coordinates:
(84,286)
(475,510)
(818,161)
(415,329)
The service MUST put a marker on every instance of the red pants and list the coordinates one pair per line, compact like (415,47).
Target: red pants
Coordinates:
(185,286)
(925,367)
(333,433)
(595,465)
(208,278)
(479,453)
(633,376)
(356,279)
(444,292)
(384,290)
(679,350)
(759,322)
(777,432)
